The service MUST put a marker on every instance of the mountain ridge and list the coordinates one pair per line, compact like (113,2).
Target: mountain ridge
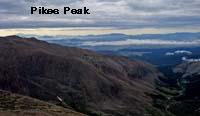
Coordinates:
(90,83)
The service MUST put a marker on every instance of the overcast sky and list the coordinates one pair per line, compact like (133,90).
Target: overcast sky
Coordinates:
(104,13)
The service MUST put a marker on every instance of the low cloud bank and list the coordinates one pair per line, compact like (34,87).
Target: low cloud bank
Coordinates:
(178,52)
(190,60)
(141,42)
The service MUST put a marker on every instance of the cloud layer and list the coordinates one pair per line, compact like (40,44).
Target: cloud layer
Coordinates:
(142,42)
(178,52)
(191,59)
(104,13)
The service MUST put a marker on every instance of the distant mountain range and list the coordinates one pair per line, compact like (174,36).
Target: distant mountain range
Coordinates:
(119,41)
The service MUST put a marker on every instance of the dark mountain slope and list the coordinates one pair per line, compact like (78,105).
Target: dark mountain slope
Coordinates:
(190,79)
(17,105)
(83,79)
(186,101)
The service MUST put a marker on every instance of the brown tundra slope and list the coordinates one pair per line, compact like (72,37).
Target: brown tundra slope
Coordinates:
(18,105)
(86,81)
